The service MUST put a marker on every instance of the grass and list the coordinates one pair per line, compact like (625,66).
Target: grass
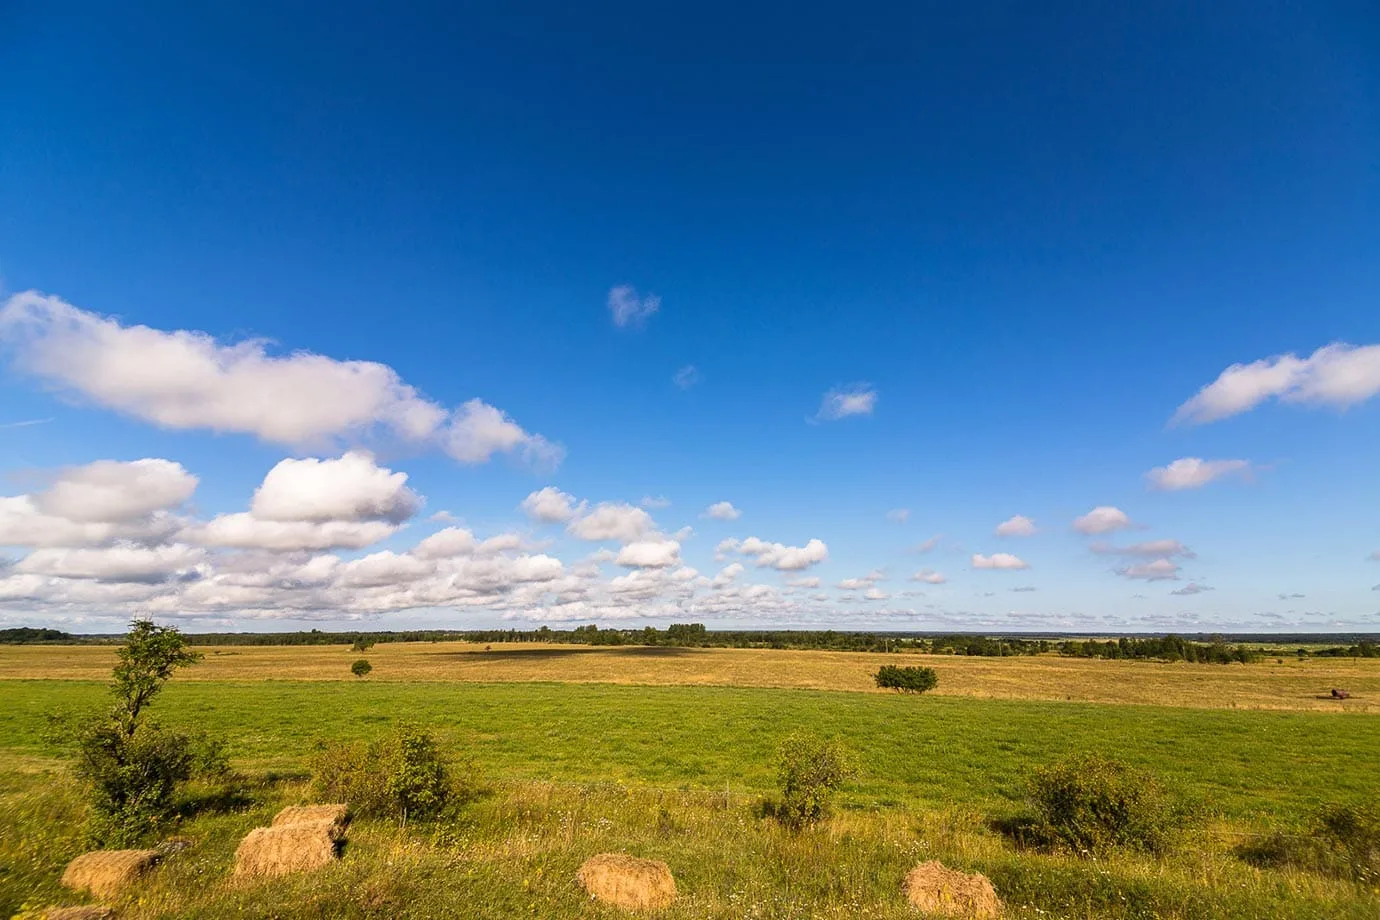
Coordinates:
(1292,684)
(673,772)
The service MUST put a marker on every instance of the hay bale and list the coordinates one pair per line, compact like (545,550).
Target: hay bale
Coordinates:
(300,847)
(85,912)
(936,889)
(339,815)
(628,882)
(105,873)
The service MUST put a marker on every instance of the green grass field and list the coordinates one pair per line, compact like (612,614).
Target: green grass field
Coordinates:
(673,772)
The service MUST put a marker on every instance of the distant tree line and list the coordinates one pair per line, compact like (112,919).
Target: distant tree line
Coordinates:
(25,635)
(1162,648)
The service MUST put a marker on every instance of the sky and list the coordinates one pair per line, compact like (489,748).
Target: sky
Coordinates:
(976,317)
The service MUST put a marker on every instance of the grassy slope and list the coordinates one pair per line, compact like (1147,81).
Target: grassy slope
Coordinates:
(934,769)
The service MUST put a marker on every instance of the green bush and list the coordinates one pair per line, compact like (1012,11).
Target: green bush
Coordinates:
(906,680)
(1344,842)
(131,767)
(1090,804)
(401,775)
(809,770)
(361,667)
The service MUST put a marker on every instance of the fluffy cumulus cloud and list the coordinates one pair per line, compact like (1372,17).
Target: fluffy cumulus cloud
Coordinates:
(1102,519)
(187,380)
(1018,526)
(349,488)
(862,581)
(929,577)
(99,503)
(1158,570)
(999,561)
(348,502)
(129,562)
(777,555)
(1338,375)
(629,308)
(722,511)
(842,402)
(613,521)
(649,554)
(1194,473)
(551,506)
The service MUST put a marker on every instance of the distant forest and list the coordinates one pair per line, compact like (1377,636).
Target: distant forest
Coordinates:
(1214,649)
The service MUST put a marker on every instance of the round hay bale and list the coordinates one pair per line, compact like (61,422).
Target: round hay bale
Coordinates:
(628,882)
(105,873)
(85,912)
(270,851)
(936,889)
(339,815)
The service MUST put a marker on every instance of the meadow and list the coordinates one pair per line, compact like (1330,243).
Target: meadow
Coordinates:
(655,752)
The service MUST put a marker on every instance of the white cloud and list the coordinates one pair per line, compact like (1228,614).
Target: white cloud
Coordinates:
(243,530)
(443,517)
(685,533)
(99,503)
(781,557)
(650,554)
(1338,375)
(186,380)
(864,581)
(722,511)
(1102,519)
(899,515)
(111,491)
(998,561)
(349,488)
(1190,589)
(655,502)
(1159,570)
(929,577)
(447,543)
(841,402)
(810,582)
(728,574)
(686,377)
(552,506)
(628,307)
(1194,472)
(1156,548)
(1018,526)
(121,562)
(875,594)
(612,521)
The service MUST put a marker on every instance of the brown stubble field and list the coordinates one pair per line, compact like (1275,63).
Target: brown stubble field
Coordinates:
(1290,685)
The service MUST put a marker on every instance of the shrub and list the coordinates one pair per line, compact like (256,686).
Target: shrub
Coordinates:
(809,769)
(906,680)
(1344,842)
(362,645)
(131,767)
(361,668)
(1090,804)
(402,775)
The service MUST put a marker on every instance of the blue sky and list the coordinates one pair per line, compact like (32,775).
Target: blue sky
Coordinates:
(1016,240)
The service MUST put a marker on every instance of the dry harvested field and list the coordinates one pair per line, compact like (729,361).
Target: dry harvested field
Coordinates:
(1293,684)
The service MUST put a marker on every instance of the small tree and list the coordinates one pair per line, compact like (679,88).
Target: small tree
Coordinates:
(361,667)
(362,644)
(131,766)
(1090,804)
(906,680)
(810,769)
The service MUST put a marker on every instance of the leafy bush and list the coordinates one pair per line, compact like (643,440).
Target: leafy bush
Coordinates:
(1344,842)
(809,769)
(132,768)
(906,680)
(362,645)
(402,775)
(361,668)
(1090,804)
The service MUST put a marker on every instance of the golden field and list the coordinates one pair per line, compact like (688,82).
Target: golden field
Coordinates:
(1290,685)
